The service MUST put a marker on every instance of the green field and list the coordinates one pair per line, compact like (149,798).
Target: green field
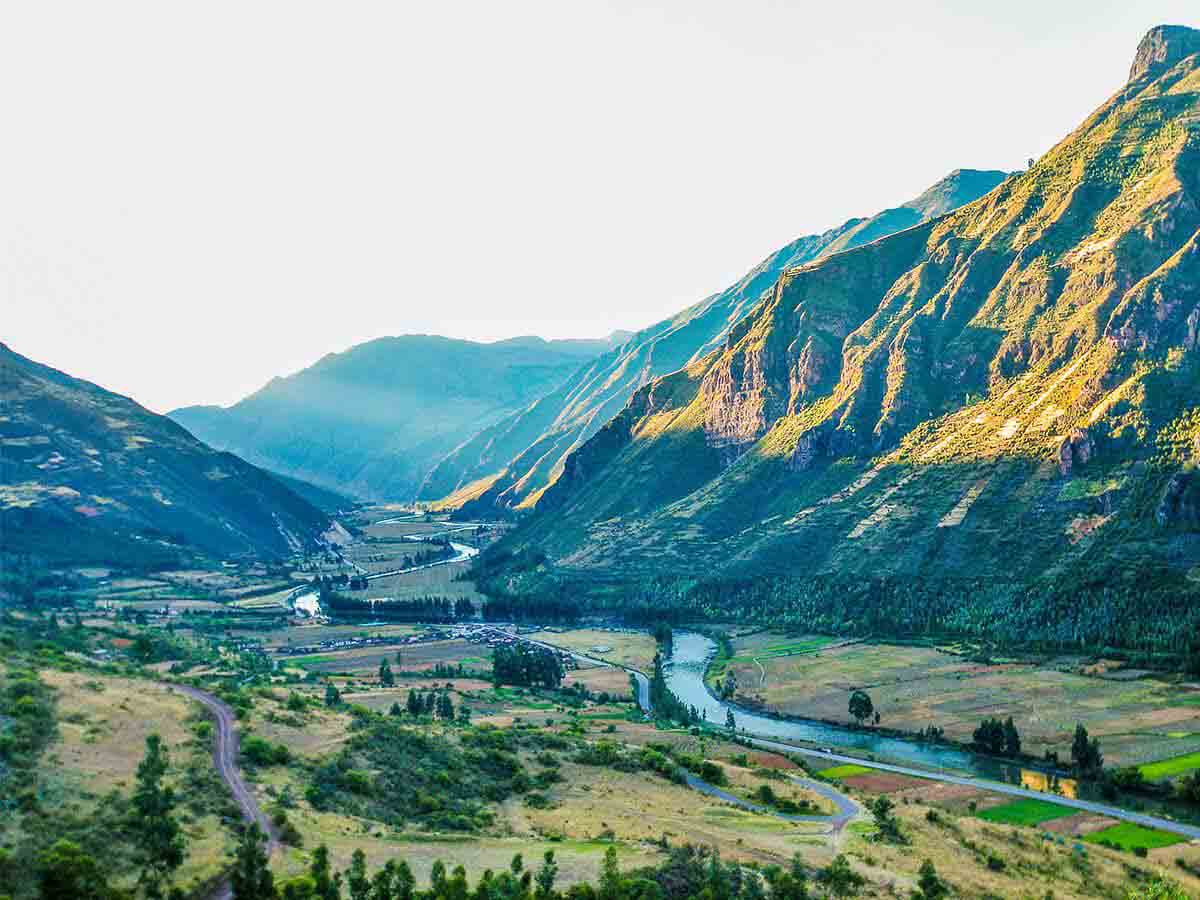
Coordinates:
(846,771)
(1025,812)
(1128,836)
(1167,768)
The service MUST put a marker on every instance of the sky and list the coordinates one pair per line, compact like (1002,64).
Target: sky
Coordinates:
(195,198)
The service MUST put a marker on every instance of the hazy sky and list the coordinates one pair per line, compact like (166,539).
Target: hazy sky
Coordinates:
(195,197)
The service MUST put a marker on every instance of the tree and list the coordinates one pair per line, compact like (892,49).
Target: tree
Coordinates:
(357,880)
(464,714)
(157,836)
(65,872)
(445,707)
(610,876)
(929,885)
(386,678)
(885,819)
(251,877)
(1085,754)
(545,877)
(730,722)
(395,710)
(1012,739)
(839,878)
(430,704)
(333,697)
(861,707)
(415,706)
(326,885)
(400,660)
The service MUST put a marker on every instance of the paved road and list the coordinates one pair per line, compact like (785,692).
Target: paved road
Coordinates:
(225,754)
(1012,790)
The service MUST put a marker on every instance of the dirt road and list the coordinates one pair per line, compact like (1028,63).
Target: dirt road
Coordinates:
(225,756)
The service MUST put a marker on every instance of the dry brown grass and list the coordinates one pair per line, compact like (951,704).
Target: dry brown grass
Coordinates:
(629,648)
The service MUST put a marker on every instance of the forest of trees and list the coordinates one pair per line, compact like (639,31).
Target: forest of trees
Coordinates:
(431,609)
(526,666)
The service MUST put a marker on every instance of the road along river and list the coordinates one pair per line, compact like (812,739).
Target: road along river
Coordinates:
(684,674)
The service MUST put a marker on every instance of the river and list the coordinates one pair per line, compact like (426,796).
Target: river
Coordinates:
(684,673)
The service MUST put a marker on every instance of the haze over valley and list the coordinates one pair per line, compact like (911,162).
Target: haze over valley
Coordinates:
(870,571)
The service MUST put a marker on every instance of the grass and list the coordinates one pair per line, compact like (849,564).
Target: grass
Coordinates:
(1167,768)
(846,771)
(1025,812)
(1129,836)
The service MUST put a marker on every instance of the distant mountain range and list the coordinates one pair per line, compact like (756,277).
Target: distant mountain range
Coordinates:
(987,423)
(509,464)
(374,420)
(87,475)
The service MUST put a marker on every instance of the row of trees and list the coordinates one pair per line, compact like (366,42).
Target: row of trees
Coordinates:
(687,873)
(526,666)
(998,738)
(431,609)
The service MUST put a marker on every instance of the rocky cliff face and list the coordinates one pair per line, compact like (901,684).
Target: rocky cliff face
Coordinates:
(1006,390)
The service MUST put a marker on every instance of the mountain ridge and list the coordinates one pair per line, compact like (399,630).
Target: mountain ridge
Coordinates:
(89,474)
(509,465)
(985,413)
(372,419)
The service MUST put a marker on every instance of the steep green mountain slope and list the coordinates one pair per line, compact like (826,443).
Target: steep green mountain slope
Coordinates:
(90,476)
(510,464)
(372,421)
(986,424)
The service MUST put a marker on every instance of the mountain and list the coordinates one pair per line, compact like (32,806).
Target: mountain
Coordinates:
(987,424)
(373,420)
(90,476)
(511,463)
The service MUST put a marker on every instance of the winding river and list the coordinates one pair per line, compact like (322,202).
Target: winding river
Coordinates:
(684,673)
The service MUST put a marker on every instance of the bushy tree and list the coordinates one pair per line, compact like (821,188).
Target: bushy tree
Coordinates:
(861,707)
(157,835)
(1085,754)
(929,885)
(65,872)
(251,877)
(386,678)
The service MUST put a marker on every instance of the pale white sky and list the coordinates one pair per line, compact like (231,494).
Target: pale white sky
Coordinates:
(195,197)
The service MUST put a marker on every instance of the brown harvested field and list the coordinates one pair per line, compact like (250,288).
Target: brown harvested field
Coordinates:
(1081,824)
(771,761)
(311,634)
(627,647)
(883,783)
(414,657)
(913,687)
(601,678)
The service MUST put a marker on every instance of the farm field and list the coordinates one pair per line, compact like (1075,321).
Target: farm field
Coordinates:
(1168,768)
(414,657)
(1129,836)
(1025,812)
(1139,720)
(628,648)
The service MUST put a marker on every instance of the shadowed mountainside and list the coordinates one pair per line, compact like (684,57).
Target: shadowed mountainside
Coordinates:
(91,476)
(510,464)
(373,420)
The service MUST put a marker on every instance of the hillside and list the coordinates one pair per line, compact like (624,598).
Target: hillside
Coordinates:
(984,424)
(373,420)
(90,476)
(511,463)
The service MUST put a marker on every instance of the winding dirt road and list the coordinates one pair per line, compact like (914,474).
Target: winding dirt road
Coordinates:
(225,755)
